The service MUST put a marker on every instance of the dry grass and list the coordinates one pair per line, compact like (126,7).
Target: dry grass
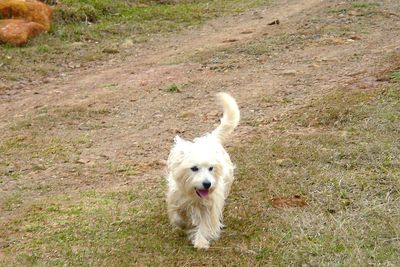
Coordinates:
(331,155)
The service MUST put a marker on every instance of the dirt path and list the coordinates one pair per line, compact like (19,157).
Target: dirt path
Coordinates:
(125,108)
(148,61)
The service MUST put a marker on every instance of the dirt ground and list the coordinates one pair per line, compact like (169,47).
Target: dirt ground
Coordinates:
(128,115)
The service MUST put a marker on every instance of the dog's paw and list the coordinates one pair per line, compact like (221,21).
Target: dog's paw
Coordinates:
(201,243)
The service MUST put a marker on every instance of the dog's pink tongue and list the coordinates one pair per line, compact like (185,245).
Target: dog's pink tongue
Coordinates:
(203,193)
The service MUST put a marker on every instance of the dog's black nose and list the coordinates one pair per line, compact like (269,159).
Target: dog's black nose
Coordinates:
(206,184)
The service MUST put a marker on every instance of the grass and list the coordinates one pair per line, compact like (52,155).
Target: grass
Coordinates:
(364,7)
(327,152)
(341,153)
(93,30)
(12,202)
(365,4)
(32,144)
(395,76)
(173,88)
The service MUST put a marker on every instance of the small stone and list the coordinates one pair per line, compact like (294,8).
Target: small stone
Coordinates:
(355,13)
(83,161)
(110,51)
(10,170)
(274,22)
(83,128)
(246,32)
(289,72)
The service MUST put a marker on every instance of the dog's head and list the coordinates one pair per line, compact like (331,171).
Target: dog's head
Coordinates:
(196,166)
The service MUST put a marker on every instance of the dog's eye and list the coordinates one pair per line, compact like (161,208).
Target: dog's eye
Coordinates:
(194,168)
(210,169)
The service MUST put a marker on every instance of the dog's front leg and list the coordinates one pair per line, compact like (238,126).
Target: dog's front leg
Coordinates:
(199,235)
(200,241)
(209,228)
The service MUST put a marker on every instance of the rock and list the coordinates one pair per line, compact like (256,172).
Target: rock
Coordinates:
(274,22)
(247,32)
(83,127)
(77,44)
(355,13)
(110,51)
(18,32)
(29,10)
(285,162)
(83,161)
(289,72)
(314,66)
(10,170)
(24,19)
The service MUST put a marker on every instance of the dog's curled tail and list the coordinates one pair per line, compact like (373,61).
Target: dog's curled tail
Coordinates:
(229,120)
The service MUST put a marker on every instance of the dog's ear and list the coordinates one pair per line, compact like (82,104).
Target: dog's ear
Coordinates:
(178,151)
(180,145)
(178,139)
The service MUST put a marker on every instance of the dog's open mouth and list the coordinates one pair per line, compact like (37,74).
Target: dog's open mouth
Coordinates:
(202,192)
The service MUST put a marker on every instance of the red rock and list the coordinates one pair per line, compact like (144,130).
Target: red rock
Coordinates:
(29,10)
(18,32)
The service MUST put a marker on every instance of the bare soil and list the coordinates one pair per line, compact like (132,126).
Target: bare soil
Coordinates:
(135,117)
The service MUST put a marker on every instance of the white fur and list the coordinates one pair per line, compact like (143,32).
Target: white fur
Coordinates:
(201,217)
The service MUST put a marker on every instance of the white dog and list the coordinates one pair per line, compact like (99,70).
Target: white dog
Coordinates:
(200,174)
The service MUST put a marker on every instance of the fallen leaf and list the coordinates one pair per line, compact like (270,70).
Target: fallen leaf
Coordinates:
(355,37)
(230,40)
(110,51)
(285,202)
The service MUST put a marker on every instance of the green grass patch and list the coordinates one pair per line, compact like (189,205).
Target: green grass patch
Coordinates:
(395,76)
(364,7)
(173,88)
(12,201)
(365,4)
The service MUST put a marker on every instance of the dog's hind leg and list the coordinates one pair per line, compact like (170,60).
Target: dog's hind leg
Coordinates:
(177,220)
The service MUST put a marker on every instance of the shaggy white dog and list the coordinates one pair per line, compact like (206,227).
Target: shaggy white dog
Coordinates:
(200,174)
